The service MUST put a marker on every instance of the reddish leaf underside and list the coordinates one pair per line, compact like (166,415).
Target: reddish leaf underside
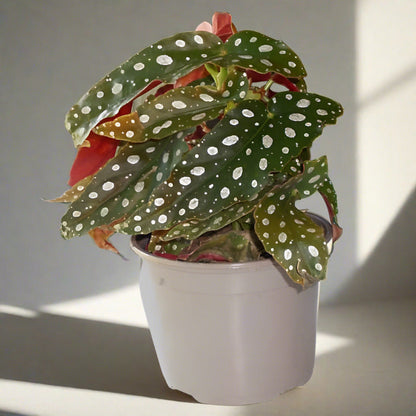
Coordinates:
(100,236)
(197,73)
(89,159)
(100,149)
(336,229)
(222,25)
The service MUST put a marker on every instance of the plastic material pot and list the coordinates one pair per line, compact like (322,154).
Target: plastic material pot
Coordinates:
(229,333)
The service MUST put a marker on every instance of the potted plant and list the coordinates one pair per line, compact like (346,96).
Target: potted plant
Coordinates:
(199,147)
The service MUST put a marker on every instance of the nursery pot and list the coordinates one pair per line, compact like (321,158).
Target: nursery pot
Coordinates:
(229,333)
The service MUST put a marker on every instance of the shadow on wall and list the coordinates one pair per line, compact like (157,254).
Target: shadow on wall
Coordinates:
(60,351)
(390,270)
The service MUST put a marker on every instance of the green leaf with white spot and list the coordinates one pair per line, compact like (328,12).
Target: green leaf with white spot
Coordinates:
(210,176)
(175,247)
(302,110)
(176,110)
(74,192)
(294,167)
(228,245)
(166,60)
(300,84)
(170,59)
(253,50)
(233,162)
(290,235)
(122,185)
(194,228)
(329,195)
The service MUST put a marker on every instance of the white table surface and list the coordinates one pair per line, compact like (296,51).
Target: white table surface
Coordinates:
(95,357)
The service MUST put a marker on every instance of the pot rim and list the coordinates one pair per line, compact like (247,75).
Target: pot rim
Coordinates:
(137,243)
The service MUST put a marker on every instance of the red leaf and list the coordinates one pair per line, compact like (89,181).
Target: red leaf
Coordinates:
(257,76)
(222,25)
(89,159)
(165,255)
(282,80)
(100,150)
(163,89)
(197,73)
(204,27)
(152,85)
(211,257)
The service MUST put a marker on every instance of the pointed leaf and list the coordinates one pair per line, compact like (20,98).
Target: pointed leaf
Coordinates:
(329,195)
(201,185)
(194,228)
(233,162)
(100,237)
(122,185)
(253,50)
(166,60)
(299,109)
(94,152)
(170,59)
(74,192)
(89,159)
(290,235)
(176,110)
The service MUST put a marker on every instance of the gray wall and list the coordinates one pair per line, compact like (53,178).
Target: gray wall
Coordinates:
(52,51)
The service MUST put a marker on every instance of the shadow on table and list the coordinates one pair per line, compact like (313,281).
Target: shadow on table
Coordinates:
(62,351)
(370,373)
(7,413)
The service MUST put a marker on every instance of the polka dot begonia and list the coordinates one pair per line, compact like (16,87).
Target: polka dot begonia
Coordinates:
(171,58)
(205,147)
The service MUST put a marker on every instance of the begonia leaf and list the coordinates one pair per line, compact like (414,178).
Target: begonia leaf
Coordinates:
(176,110)
(194,228)
(127,181)
(290,235)
(74,192)
(232,163)
(89,159)
(170,59)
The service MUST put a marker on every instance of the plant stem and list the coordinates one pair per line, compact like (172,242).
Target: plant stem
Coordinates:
(268,84)
(219,76)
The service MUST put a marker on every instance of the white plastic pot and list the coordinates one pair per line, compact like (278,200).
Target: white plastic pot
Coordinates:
(229,334)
